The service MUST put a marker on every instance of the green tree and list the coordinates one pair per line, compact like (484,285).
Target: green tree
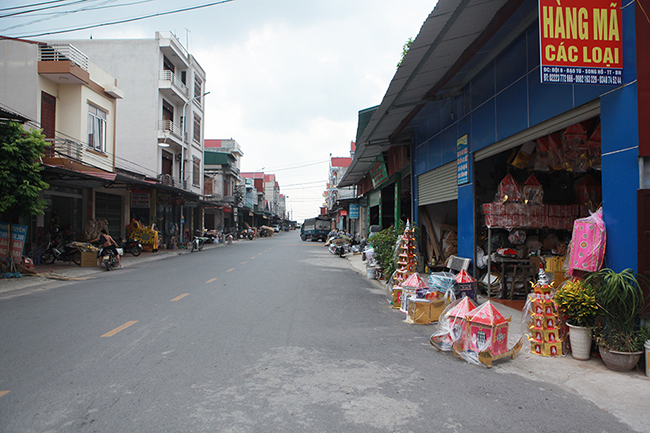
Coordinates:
(20,172)
(405,49)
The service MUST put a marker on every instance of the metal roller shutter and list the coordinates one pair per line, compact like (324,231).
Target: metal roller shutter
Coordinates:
(438,185)
(373,199)
(584,112)
(109,207)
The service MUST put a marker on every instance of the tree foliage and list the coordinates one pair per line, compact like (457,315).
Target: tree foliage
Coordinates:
(405,49)
(20,171)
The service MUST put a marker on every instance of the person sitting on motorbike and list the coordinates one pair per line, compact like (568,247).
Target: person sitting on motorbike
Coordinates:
(107,243)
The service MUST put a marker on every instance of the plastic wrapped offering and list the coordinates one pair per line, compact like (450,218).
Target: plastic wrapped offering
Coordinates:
(587,247)
(451,327)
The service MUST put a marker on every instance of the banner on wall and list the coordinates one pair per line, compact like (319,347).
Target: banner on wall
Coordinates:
(581,42)
(462,161)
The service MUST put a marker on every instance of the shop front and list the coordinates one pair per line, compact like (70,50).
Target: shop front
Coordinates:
(506,141)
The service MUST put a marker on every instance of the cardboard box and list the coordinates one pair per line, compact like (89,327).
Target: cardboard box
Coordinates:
(437,307)
(419,311)
(397,297)
(88,259)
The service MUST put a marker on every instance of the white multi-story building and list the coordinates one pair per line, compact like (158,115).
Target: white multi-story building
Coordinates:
(160,137)
(74,102)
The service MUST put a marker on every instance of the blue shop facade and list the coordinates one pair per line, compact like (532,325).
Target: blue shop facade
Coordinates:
(469,104)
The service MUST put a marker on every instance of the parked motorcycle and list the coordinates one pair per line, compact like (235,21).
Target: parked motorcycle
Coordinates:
(67,253)
(109,258)
(338,247)
(132,246)
(197,243)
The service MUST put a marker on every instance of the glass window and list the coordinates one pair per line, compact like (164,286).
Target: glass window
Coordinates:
(196,172)
(96,128)
(198,88)
(197,129)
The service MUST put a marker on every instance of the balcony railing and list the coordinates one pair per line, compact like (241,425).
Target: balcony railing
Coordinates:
(57,53)
(174,80)
(167,126)
(62,147)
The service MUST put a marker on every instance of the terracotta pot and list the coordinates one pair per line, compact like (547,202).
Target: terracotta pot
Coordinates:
(619,361)
(580,339)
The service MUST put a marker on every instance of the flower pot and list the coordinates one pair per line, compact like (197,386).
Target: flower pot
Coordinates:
(580,338)
(619,361)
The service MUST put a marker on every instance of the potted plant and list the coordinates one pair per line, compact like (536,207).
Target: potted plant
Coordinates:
(619,336)
(577,301)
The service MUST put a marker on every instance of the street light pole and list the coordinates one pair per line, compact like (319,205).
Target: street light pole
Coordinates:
(183,157)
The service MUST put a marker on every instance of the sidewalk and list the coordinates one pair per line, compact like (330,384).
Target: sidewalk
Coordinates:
(58,272)
(624,395)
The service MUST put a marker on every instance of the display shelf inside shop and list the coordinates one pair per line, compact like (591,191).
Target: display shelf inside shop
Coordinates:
(545,218)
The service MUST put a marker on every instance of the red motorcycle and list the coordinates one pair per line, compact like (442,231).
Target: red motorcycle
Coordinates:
(131,246)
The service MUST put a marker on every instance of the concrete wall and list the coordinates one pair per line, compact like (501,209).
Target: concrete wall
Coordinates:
(19,72)
(136,64)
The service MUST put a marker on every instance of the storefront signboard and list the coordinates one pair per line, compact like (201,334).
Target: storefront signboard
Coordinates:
(343,213)
(140,199)
(164,199)
(354,211)
(581,42)
(462,161)
(4,241)
(18,235)
(378,172)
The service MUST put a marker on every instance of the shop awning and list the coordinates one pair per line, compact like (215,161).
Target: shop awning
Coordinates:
(90,179)
(447,53)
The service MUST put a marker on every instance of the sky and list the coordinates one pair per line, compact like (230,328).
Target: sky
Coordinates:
(286,78)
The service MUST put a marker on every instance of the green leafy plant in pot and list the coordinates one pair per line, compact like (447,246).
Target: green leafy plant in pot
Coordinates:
(620,299)
(384,244)
(577,301)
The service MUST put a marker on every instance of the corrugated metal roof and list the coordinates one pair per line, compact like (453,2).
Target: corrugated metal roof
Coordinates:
(452,35)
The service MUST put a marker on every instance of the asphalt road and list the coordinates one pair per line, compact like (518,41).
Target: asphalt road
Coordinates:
(271,335)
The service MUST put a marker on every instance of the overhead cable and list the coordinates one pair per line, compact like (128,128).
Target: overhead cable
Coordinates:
(127,20)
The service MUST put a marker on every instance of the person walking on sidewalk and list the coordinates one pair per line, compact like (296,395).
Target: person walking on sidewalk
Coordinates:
(108,243)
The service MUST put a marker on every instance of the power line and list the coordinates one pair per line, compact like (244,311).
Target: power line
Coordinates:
(32,5)
(127,20)
(41,9)
(300,166)
(63,13)
(306,183)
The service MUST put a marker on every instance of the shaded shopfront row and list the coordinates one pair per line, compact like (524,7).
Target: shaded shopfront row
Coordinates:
(75,198)
(475,109)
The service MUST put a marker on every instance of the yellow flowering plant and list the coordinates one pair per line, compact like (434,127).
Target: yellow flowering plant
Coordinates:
(577,300)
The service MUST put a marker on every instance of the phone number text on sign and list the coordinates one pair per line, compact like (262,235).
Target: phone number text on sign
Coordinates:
(581,42)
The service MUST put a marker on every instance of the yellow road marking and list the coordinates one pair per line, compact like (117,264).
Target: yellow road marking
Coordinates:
(179,297)
(211,280)
(3,393)
(242,263)
(252,257)
(231,269)
(119,328)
